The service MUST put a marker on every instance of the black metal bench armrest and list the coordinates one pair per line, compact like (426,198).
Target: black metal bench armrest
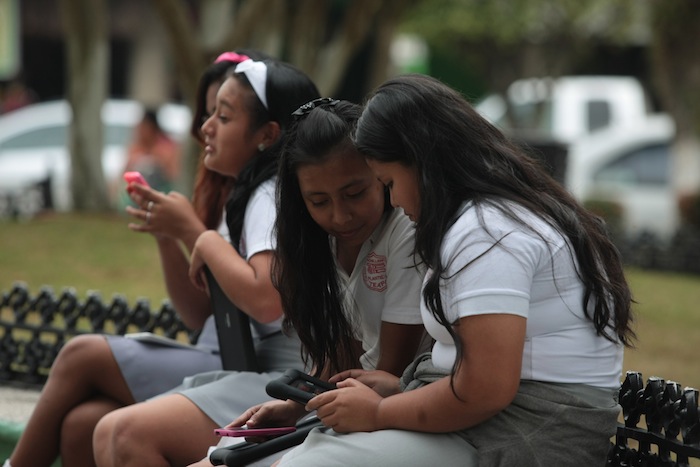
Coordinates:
(233,328)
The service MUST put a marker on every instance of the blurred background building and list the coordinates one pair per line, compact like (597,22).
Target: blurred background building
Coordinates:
(606,92)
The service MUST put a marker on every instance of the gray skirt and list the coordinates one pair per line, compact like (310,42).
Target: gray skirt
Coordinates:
(546,424)
(224,395)
(151,369)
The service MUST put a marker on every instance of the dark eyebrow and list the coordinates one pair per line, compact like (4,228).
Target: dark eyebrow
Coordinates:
(351,184)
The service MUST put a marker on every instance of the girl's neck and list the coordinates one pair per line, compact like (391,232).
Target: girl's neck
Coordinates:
(347,256)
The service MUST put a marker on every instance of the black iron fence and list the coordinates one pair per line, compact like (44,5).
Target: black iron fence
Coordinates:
(34,327)
(672,433)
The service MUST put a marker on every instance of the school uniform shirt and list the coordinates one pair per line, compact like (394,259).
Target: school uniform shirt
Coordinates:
(258,236)
(530,274)
(384,285)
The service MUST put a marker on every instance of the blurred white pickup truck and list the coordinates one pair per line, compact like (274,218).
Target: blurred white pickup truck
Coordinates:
(565,108)
(601,142)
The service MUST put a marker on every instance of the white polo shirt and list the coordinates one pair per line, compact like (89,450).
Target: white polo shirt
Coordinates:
(526,276)
(384,284)
(258,236)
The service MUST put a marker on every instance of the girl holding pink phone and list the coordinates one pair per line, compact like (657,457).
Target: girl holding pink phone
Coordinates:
(95,374)
(243,134)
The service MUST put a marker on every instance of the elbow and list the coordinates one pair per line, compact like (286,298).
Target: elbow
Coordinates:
(266,311)
(269,317)
(500,400)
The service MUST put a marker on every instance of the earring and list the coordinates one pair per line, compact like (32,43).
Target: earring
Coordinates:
(261,147)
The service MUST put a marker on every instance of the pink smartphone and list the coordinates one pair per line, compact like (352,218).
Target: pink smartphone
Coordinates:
(134,177)
(251,432)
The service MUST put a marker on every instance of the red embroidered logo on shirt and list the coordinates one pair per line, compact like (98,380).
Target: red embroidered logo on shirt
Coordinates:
(374,273)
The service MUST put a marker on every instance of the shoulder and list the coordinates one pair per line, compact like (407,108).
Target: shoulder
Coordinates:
(264,192)
(509,225)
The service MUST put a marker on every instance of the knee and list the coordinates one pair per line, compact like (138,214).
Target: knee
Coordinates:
(78,352)
(115,433)
(102,433)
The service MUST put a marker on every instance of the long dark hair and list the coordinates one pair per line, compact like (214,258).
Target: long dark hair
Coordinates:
(304,269)
(418,121)
(286,89)
(211,189)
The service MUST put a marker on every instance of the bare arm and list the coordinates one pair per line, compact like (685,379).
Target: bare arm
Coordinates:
(486,382)
(248,284)
(174,224)
(192,304)
(399,344)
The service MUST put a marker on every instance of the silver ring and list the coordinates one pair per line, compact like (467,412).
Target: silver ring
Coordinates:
(148,217)
(149,206)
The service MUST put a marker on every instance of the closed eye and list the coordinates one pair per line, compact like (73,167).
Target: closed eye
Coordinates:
(317,204)
(357,194)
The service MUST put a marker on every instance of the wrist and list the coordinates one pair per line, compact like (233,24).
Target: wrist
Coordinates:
(380,418)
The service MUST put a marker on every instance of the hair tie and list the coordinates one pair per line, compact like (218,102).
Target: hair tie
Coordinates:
(256,72)
(231,57)
(304,110)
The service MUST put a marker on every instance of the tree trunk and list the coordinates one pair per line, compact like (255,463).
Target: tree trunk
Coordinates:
(676,71)
(87,52)
(190,64)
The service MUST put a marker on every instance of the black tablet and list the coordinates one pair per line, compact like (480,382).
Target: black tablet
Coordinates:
(297,386)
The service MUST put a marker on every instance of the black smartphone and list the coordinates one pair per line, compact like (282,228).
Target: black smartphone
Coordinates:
(297,386)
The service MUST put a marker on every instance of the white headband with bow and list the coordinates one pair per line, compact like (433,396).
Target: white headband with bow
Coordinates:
(256,72)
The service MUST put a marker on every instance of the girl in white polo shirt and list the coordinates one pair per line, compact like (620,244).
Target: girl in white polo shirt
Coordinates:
(345,269)
(525,296)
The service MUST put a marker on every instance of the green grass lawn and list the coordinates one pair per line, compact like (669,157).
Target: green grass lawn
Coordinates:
(668,326)
(98,252)
(86,252)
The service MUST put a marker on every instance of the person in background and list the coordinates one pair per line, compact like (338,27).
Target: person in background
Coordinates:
(15,96)
(243,137)
(525,296)
(153,153)
(95,374)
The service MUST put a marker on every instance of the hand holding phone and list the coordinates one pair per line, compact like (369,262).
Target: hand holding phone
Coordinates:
(134,177)
(297,386)
(251,432)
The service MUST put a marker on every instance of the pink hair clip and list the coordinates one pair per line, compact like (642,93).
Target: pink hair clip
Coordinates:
(231,57)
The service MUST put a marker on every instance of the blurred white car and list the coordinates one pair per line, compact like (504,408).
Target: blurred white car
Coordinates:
(629,165)
(35,164)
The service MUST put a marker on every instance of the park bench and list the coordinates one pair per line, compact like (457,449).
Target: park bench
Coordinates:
(34,327)
(669,412)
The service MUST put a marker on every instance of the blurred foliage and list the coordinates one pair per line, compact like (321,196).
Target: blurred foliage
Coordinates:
(509,22)
(510,39)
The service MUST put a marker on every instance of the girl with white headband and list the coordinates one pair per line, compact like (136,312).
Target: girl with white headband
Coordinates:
(243,137)
(94,374)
